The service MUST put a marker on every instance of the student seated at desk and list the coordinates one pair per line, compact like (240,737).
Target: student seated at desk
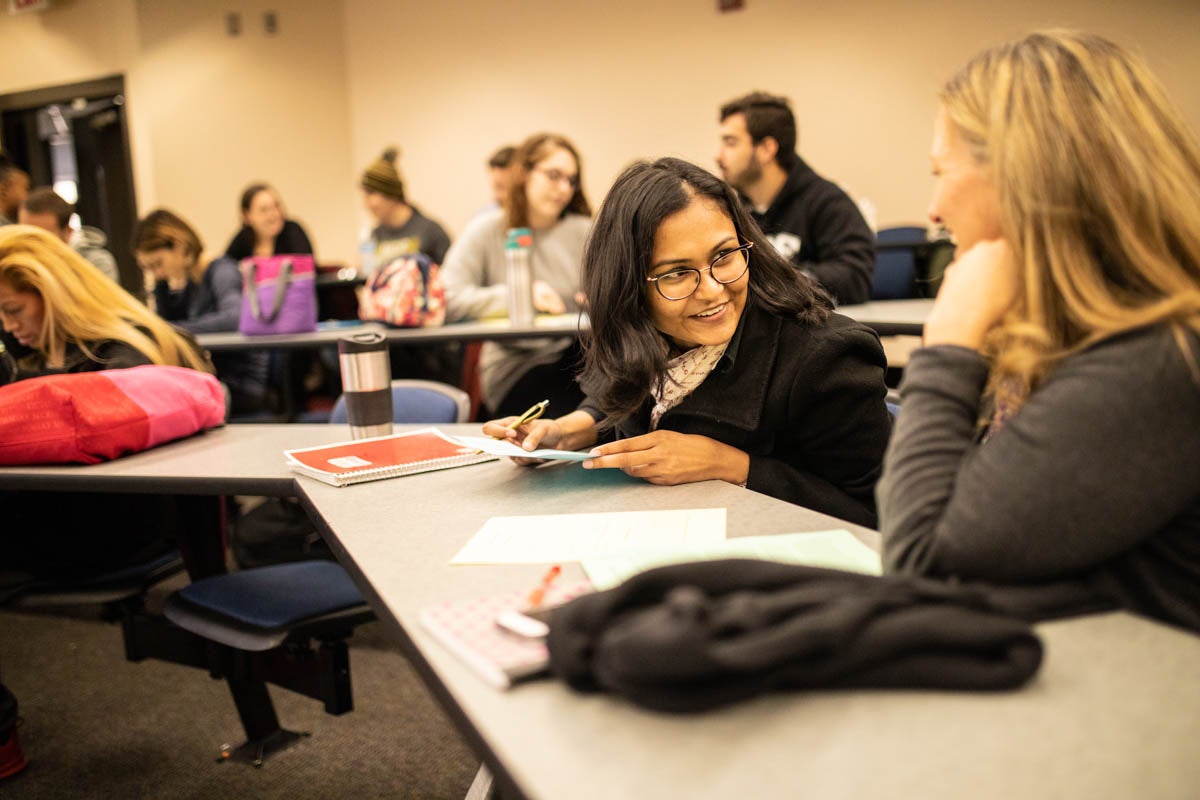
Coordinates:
(711,358)
(1050,427)
(266,230)
(546,196)
(66,316)
(201,296)
(61,314)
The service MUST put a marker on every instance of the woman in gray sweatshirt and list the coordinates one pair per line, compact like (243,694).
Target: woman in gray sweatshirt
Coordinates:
(1049,433)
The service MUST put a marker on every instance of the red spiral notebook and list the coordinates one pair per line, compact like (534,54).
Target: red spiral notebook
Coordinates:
(379,457)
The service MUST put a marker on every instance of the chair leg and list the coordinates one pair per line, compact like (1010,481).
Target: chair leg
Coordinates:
(264,737)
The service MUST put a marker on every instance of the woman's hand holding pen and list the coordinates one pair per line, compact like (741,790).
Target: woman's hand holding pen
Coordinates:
(669,458)
(569,432)
(529,435)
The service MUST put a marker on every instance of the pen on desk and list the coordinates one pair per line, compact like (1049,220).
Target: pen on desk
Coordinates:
(539,592)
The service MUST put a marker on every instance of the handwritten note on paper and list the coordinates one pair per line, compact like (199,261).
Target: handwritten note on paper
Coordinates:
(837,549)
(500,447)
(542,539)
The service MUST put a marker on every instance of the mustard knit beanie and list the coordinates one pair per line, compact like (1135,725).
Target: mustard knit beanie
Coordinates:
(381,176)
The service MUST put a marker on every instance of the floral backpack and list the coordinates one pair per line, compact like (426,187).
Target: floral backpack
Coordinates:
(406,291)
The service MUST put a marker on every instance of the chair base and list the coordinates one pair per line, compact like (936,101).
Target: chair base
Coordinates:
(257,751)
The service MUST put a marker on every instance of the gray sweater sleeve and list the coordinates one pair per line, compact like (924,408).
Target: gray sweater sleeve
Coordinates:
(469,271)
(221,300)
(1103,455)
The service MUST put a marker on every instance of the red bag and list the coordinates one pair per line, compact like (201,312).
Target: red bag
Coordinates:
(89,417)
(407,291)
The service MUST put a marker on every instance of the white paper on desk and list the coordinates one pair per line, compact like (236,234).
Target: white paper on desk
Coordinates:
(553,538)
(503,447)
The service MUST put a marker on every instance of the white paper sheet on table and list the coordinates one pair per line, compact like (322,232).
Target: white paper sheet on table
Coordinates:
(836,549)
(502,447)
(548,538)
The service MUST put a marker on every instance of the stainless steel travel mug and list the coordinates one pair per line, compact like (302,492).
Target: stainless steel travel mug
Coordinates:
(366,383)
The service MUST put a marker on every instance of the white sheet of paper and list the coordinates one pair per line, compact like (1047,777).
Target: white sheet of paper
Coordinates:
(501,447)
(549,538)
(836,549)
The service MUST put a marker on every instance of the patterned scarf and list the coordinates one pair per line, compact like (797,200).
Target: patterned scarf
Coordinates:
(684,373)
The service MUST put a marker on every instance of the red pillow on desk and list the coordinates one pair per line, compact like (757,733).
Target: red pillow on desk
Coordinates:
(96,416)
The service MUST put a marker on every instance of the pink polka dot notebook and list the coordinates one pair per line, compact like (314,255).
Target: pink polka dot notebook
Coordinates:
(501,657)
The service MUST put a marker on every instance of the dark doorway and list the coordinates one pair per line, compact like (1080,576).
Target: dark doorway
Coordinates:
(79,134)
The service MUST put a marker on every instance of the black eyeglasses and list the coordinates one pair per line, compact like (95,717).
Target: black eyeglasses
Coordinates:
(681,282)
(557,175)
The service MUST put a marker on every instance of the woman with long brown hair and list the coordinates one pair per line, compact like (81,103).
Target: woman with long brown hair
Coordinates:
(711,358)
(1050,427)
(546,196)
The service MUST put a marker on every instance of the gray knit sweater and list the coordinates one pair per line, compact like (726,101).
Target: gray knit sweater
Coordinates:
(1094,481)
(474,276)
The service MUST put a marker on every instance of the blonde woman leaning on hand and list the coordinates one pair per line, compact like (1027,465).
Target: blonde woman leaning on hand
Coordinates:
(1050,427)
(64,315)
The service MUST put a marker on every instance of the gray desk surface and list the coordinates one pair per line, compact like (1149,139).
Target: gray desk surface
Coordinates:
(495,329)
(1114,713)
(235,459)
(891,317)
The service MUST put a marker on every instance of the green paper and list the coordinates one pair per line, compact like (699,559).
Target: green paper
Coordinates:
(836,549)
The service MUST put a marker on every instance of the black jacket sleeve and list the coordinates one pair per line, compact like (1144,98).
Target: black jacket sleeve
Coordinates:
(830,456)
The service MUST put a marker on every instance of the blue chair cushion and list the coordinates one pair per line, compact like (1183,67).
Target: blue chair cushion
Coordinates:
(276,597)
(410,404)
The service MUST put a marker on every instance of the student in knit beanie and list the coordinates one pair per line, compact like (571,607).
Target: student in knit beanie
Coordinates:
(383,177)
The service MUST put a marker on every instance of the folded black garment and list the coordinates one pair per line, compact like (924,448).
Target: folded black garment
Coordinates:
(689,637)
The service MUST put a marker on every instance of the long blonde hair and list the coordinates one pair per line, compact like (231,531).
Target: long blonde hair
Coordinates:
(82,305)
(1098,178)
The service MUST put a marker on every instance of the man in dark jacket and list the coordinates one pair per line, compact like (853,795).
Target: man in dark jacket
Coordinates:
(810,220)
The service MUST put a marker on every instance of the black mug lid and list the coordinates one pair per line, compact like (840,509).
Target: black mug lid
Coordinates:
(365,342)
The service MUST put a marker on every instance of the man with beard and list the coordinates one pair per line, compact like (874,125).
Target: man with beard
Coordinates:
(810,220)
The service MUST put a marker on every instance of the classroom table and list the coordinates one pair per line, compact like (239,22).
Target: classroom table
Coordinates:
(1113,713)
(200,470)
(490,329)
(891,317)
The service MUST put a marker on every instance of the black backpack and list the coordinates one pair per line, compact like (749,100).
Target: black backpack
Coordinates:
(276,532)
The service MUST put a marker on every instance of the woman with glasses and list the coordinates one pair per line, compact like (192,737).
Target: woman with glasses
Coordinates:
(1051,424)
(712,358)
(545,196)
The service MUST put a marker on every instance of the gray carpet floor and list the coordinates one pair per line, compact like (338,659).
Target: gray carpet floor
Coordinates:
(97,726)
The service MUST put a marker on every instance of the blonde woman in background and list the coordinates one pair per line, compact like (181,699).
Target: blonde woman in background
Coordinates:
(64,315)
(1050,427)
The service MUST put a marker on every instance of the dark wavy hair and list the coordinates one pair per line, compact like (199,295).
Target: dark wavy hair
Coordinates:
(625,353)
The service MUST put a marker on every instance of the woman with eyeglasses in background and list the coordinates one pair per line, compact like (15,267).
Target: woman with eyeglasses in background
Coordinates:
(545,196)
(710,357)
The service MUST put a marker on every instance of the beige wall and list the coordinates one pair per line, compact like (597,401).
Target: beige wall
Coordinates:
(309,108)
(209,113)
(644,79)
